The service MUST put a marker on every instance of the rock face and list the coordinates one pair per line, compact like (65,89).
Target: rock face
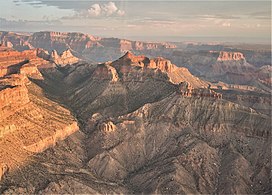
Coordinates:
(25,63)
(230,56)
(63,59)
(105,72)
(231,67)
(107,127)
(12,98)
(29,122)
(174,73)
(146,126)
(230,64)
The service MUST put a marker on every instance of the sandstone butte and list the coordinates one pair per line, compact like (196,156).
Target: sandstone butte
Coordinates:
(64,58)
(134,125)
(228,56)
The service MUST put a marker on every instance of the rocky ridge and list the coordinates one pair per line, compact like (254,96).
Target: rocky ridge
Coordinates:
(143,129)
(229,56)
(87,46)
(29,121)
(65,58)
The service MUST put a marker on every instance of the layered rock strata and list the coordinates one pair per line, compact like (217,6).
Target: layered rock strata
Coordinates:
(141,132)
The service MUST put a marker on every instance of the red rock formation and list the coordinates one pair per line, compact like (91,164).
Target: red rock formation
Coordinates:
(61,41)
(162,64)
(107,127)
(13,94)
(29,122)
(64,58)
(50,141)
(185,89)
(142,61)
(29,69)
(14,62)
(88,46)
(229,56)
(158,68)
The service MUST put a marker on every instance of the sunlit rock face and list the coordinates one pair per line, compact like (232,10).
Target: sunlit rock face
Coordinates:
(24,63)
(229,56)
(133,125)
(65,58)
(29,121)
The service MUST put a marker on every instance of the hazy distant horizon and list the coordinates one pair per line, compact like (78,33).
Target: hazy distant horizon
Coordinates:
(168,20)
(246,40)
(177,39)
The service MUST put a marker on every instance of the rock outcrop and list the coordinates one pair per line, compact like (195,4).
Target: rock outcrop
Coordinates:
(65,58)
(105,72)
(12,98)
(25,63)
(231,67)
(174,73)
(52,140)
(185,89)
(230,56)
(29,121)
(107,127)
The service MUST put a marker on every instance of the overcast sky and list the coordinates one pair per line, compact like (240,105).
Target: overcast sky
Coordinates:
(154,20)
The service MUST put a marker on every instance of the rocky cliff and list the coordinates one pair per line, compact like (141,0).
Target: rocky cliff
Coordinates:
(65,58)
(146,126)
(25,63)
(29,122)
(174,73)
(230,56)
(231,67)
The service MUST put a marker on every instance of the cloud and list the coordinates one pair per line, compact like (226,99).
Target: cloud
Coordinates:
(215,16)
(106,9)
(223,23)
(109,8)
(99,10)
(120,12)
(95,10)
(226,24)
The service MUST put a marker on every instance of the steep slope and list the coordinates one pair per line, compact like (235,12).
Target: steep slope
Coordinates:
(29,121)
(180,145)
(176,74)
(232,62)
(143,133)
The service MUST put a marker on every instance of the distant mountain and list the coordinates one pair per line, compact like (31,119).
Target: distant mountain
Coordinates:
(87,46)
(201,59)
(225,66)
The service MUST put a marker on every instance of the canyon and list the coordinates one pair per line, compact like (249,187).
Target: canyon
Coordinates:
(133,123)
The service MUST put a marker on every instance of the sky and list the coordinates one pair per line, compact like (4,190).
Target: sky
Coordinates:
(167,20)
